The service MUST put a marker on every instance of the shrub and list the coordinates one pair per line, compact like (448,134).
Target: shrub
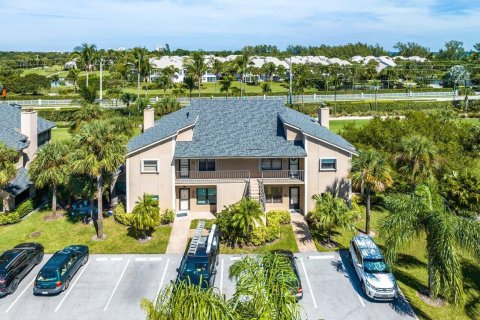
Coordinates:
(282,216)
(258,236)
(24,208)
(273,229)
(121,216)
(9,218)
(167,217)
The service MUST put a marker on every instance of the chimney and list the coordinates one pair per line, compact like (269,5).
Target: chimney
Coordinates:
(324,116)
(28,127)
(148,118)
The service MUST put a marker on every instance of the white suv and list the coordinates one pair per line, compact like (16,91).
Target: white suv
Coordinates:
(376,280)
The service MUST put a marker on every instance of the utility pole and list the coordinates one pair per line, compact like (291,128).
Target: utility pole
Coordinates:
(290,76)
(101,80)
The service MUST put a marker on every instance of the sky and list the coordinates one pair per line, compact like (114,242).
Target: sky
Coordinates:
(61,25)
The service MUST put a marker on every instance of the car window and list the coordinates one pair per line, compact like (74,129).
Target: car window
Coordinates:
(47,275)
(20,259)
(64,269)
(357,253)
(196,268)
(375,266)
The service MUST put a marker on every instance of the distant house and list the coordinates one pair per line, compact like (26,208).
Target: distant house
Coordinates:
(212,153)
(25,132)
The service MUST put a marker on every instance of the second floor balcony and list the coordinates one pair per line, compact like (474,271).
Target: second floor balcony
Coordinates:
(268,177)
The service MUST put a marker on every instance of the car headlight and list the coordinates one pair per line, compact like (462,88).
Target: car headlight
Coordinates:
(370,285)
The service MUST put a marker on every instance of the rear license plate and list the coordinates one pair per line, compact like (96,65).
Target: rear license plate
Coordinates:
(44,292)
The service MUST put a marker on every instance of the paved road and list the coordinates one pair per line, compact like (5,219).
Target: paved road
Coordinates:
(111,287)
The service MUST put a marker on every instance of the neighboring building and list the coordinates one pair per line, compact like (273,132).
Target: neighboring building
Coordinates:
(211,153)
(25,132)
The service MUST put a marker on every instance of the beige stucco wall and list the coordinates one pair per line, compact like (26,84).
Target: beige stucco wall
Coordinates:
(185,135)
(322,181)
(285,205)
(292,134)
(160,183)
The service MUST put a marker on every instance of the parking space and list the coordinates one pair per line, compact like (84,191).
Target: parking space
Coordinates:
(112,286)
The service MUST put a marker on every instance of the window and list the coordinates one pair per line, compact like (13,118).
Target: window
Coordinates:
(273,194)
(149,166)
(328,164)
(43,138)
(271,164)
(206,165)
(206,196)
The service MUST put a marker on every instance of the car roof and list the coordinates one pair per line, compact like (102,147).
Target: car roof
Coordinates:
(8,257)
(56,261)
(367,247)
(28,245)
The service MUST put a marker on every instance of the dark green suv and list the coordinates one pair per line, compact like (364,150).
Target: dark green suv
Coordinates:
(56,274)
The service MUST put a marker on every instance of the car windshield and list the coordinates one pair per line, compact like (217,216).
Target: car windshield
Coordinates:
(375,266)
(196,268)
(47,275)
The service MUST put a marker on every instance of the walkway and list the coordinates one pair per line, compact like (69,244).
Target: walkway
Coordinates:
(302,233)
(181,231)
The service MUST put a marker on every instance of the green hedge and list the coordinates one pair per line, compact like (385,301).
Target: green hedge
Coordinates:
(16,216)
(345,107)
(63,114)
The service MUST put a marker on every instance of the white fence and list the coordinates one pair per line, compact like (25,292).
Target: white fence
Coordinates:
(115,103)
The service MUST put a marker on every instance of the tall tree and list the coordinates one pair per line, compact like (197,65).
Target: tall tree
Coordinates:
(98,149)
(165,82)
(301,78)
(217,68)
(88,55)
(49,168)
(74,75)
(423,214)
(189,83)
(243,62)
(83,115)
(416,158)
(139,58)
(454,50)
(196,67)
(145,214)
(411,49)
(8,169)
(225,83)
(370,172)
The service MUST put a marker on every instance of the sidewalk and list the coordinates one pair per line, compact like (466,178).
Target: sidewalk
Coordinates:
(181,231)
(302,233)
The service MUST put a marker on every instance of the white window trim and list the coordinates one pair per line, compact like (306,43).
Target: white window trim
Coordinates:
(328,170)
(142,167)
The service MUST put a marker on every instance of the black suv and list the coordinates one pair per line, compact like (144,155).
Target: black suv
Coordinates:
(201,258)
(16,263)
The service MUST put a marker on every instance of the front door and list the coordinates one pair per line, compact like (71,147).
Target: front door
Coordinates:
(293,167)
(184,199)
(294,198)
(184,168)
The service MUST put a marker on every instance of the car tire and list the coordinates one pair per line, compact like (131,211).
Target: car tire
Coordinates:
(13,286)
(85,260)
(66,285)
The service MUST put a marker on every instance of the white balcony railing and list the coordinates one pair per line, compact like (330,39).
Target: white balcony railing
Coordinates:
(283,175)
(213,175)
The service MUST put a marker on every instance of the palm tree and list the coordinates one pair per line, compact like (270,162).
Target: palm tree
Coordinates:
(243,62)
(423,214)
(83,115)
(269,69)
(266,88)
(88,54)
(128,98)
(74,75)
(301,80)
(189,83)
(416,158)
(8,169)
(247,213)
(196,67)
(330,212)
(264,287)
(225,83)
(49,168)
(370,172)
(217,68)
(165,82)
(98,149)
(139,58)
(145,214)
(186,301)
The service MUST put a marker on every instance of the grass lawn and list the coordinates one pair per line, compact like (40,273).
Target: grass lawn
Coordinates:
(56,235)
(337,125)
(411,273)
(475,121)
(59,134)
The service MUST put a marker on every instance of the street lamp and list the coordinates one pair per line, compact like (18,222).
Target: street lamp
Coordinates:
(101,81)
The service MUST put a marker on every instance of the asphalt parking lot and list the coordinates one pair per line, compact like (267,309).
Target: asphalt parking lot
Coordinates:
(111,287)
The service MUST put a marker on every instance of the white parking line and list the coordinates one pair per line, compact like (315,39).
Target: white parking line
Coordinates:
(109,259)
(162,279)
(321,257)
(71,287)
(308,283)
(148,259)
(116,285)
(235,258)
(21,293)
(221,276)
(361,300)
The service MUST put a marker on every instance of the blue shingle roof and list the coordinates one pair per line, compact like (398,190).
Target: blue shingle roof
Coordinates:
(19,184)
(10,126)
(235,128)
